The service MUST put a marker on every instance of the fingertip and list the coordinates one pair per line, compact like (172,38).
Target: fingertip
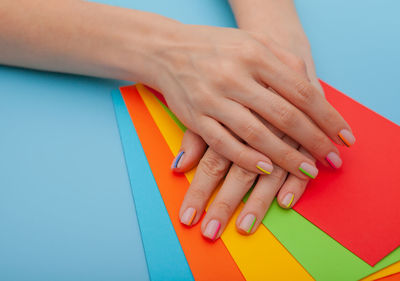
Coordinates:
(178,161)
(287,200)
(247,224)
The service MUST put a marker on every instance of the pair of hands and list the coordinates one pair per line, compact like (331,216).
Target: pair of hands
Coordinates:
(222,81)
(267,121)
(212,168)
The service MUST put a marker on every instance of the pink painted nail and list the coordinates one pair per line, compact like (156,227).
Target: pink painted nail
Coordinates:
(265,167)
(188,216)
(334,160)
(308,169)
(288,200)
(247,223)
(212,229)
(347,137)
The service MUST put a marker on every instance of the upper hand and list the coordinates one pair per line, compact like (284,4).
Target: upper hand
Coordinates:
(213,78)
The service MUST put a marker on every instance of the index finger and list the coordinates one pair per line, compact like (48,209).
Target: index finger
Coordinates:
(300,92)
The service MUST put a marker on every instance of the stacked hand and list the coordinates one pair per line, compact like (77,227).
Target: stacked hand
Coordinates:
(213,167)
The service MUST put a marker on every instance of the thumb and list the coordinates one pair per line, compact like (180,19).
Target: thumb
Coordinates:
(192,150)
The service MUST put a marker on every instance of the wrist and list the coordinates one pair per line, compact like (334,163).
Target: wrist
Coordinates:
(126,42)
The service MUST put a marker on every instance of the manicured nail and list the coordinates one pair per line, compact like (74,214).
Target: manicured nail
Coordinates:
(265,167)
(177,161)
(334,160)
(247,223)
(309,170)
(288,200)
(212,229)
(188,216)
(347,137)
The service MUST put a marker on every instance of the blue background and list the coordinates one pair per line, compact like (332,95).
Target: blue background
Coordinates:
(66,209)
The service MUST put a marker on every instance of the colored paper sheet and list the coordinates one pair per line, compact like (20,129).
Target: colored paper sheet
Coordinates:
(359,204)
(164,256)
(394,268)
(393,277)
(306,242)
(208,261)
(258,256)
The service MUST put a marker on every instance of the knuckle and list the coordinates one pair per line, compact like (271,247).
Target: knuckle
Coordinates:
(287,116)
(288,157)
(216,142)
(319,144)
(250,50)
(298,65)
(252,132)
(224,73)
(278,175)
(305,93)
(243,176)
(223,207)
(260,203)
(213,166)
(197,195)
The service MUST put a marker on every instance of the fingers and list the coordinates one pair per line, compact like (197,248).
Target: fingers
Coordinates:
(252,130)
(259,201)
(261,197)
(219,139)
(192,149)
(212,168)
(300,91)
(292,189)
(292,122)
(237,183)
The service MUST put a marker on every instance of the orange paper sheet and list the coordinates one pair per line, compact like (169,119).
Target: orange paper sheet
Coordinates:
(208,261)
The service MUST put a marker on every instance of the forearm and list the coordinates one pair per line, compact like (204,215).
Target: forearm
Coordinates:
(278,18)
(82,37)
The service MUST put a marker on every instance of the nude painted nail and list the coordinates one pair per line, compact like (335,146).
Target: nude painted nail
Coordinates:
(347,137)
(212,229)
(334,160)
(309,170)
(288,200)
(188,216)
(247,223)
(177,161)
(265,167)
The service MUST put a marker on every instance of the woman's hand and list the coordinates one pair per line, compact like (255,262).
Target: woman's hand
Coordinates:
(213,167)
(213,78)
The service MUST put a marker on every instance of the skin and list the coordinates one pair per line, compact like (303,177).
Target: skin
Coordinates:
(214,79)
(284,27)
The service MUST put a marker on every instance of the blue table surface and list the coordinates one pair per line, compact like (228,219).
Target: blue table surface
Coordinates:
(66,209)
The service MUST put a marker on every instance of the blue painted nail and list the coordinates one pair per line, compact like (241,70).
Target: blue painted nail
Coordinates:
(175,163)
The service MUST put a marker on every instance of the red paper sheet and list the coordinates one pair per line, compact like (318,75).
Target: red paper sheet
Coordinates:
(359,204)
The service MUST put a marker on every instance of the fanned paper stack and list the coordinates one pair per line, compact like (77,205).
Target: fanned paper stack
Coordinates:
(345,227)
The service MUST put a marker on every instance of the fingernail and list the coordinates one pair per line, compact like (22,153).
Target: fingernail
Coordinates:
(265,167)
(188,216)
(347,137)
(334,160)
(247,223)
(212,229)
(177,161)
(288,200)
(309,170)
